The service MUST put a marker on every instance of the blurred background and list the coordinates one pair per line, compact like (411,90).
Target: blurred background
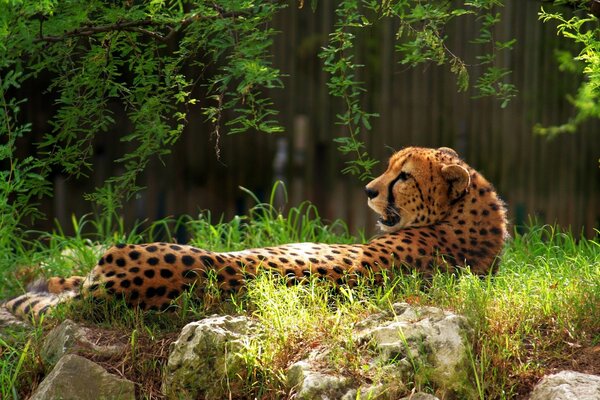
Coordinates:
(550,181)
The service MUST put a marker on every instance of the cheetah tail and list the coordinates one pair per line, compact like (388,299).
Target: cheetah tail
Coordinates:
(43,295)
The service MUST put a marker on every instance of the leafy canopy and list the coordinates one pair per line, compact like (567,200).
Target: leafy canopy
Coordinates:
(148,60)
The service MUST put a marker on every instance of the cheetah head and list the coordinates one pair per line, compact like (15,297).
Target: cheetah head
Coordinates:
(419,187)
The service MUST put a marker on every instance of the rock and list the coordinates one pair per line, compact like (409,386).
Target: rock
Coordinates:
(75,377)
(69,338)
(424,338)
(203,360)
(567,385)
(420,396)
(313,385)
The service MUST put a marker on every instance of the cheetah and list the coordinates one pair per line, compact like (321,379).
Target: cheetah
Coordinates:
(435,211)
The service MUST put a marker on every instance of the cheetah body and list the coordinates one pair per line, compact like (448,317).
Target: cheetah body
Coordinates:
(436,213)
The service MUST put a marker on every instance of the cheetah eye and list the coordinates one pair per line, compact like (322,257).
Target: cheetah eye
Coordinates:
(403,176)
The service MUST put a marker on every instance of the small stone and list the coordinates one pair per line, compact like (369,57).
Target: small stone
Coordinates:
(203,361)
(69,338)
(567,385)
(420,396)
(313,385)
(75,377)
(428,336)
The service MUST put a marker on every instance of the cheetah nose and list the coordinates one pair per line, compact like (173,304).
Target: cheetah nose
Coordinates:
(371,193)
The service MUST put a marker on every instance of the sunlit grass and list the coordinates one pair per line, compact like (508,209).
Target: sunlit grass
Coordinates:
(540,305)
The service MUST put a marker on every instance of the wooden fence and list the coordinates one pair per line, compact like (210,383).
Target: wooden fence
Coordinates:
(555,181)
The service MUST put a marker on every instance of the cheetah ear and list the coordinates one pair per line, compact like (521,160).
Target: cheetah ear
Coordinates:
(449,151)
(458,178)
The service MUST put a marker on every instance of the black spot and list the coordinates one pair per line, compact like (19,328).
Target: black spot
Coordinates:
(220,278)
(496,231)
(220,259)
(190,274)
(121,262)
(407,241)
(173,294)
(487,243)
(458,231)
(409,259)
(109,274)
(152,261)
(209,262)
(187,260)
(384,260)
(138,281)
(272,264)
(101,261)
(233,282)
(283,260)
(313,260)
(230,270)
(481,192)
(142,305)
(195,250)
(134,270)
(367,253)
(322,271)
(485,212)
(109,259)
(366,265)
(109,284)
(399,248)
(151,249)
(422,252)
(149,273)
(166,273)
(121,275)
(170,258)
(339,281)
(125,283)
(134,255)
(300,262)
(474,212)
(338,270)
(483,231)
(175,247)
(150,292)
(330,258)
(121,246)
(161,291)
(347,261)
(461,222)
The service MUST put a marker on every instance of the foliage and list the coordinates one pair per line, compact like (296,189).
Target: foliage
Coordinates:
(141,58)
(420,39)
(153,64)
(584,30)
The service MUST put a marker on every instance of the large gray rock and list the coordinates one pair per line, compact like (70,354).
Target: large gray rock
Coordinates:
(203,362)
(567,385)
(77,378)
(314,385)
(68,338)
(425,338)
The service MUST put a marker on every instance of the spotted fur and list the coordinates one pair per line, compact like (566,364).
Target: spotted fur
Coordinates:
(435,211)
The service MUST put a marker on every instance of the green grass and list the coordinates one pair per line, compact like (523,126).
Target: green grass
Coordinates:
(530,317)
